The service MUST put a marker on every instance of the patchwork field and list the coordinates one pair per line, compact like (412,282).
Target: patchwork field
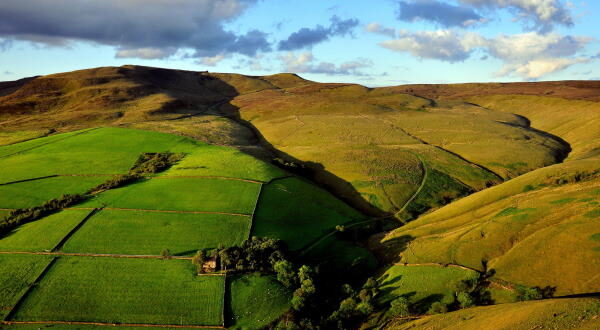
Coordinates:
(201,203)
(36,192)
(192,195)
(125,291)
(149,233)
(17,274)
(44,234)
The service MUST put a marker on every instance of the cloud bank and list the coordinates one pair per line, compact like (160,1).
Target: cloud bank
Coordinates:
(308,37)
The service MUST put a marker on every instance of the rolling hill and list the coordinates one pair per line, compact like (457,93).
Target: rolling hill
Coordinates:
(497,184)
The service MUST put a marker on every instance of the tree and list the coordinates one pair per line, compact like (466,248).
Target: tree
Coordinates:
(198,260)
(298,301)
(465,300)
(285,273)
(437,308)
(400,307)
(529,293)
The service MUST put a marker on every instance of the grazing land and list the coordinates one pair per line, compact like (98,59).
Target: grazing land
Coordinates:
(145,291)
(192,195)
(307,213)
(36,192)
(17,274)
(256,300)
(44,234)
(149,233)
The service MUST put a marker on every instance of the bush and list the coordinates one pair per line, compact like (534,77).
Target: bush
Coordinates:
(400,307)
(437,308)
(465,300)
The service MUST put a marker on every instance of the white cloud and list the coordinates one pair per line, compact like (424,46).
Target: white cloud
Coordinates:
(538,68)
(148,53)
(305,63)
(529,55)
(212,60)
(443,45)
(379,29)
(542,13)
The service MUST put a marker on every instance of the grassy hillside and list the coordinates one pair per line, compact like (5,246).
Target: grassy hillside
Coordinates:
(548,314)
(538,229)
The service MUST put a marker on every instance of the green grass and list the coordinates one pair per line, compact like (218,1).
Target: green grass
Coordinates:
(80,326)
(35,193)
(43,234)
(17,273)
(422,285)
(298,212)
(256,301)
(98,151)
(12,149)
(3,214)
(220,161)
(136,232)
(150,291)
(212,195)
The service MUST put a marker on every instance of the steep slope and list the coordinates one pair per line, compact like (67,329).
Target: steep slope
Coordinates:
(539,229)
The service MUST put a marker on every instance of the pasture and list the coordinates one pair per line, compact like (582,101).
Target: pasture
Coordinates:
(422,285)
(44,234)
(17,273)
(298,212)
(184,194)
(219,161)
(36,192)
(147,291)
(255,301)
(149,233)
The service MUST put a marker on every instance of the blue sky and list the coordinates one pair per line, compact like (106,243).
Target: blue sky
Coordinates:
(374,43)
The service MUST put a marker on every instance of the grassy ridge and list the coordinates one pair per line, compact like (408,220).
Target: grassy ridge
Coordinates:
(126,291)
(43,234)
(17,273)
(580,313)
(133,232)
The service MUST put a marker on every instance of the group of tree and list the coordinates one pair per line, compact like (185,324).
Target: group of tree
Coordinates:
(149,163)
(21,216)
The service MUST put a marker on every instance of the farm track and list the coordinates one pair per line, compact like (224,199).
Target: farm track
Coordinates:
(141,325)
(160,211)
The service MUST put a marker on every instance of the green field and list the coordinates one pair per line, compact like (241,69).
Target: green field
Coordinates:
(149,233)
(98,151)
(149,291)
(422,285)
(210,195)
(35,193)
(17,273)
(13,149)
(298,212)
(336,255)
(219,161)
(256,301)
(44,234)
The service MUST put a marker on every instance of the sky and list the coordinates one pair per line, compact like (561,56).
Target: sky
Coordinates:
(370,42)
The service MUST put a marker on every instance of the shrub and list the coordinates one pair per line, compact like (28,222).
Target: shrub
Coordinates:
(465,300)
(400,307)
(437,308)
